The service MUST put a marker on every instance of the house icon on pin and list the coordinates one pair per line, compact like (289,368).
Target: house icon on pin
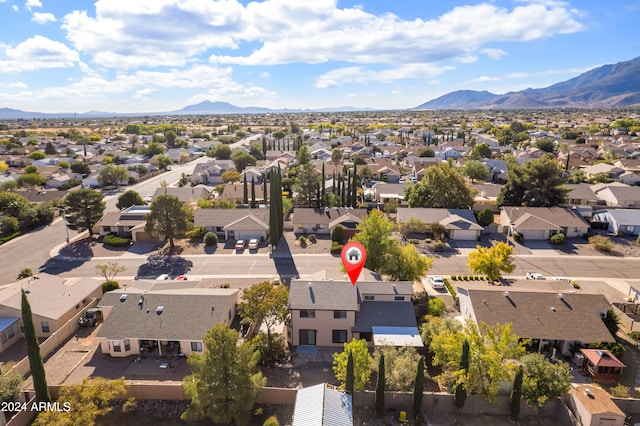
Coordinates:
(353,254)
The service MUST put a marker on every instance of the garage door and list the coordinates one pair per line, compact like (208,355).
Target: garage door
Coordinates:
(462,235)
(534,235)
(247,235)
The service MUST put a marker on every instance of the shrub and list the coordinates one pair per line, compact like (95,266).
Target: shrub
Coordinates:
(195,233)
(413,241)
(557,239)
(635,335)
(638,240)
(10,225)
(518,237)
(336,247)
(601,243)
(115,241)
(620,391)
(454,277)
(337,234)
(225,285)
(271,421)
(313,239)
(485,217)
(439,247)
(110,285)
(303,241)
(574,284)
(427,240)
(210,239)
(450,288)
(24,273)
(436,307)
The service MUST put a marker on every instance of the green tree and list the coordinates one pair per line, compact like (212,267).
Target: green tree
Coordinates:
(10,387)
(400,366)
(225,381)
(361,363)
(152,149)
(492,261)
(611,320)
(265,303)
(163,161)
(306,186)
(426,152)
(168,218)
(546,144)
(516,394)
(128,199)
(303,156)
(112,175)
(542,380)
(31,169)
(476,170)
(436,307)
(441,187)
(83,209)
(231,176)
(350,380)
(92,399)
(405,263)
(109,270)
(276,208)
(411,226)
(482,150)
(539,183)
(33,352)
(418,389)
(37,155)
(10,225)
(80,167)
(241,160)
(25,273)
(379,402)
(223,152)
(336,156)
(485,217)
(31,180)
(375,236)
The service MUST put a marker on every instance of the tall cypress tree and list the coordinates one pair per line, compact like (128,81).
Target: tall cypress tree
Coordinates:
(323,190)
(333,183)
(350,379)
(273,211)
(264,191)
(516,394)
(460,392)
(418,388)
(347,202)
(264,145)
(245,191)
(253,192)
(380,387)
(33,352)
(354,183)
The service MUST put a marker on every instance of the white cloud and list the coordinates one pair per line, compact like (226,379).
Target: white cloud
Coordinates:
(396,93)
(15,8)
(264,74)
(38,52)
(494,53)
(143,93)
(345,75)
(32,3)
(467,59)
(43,18)
(352,95)
(125,34)
(482,79)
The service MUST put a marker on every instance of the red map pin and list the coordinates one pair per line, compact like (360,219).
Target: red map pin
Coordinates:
(353,258)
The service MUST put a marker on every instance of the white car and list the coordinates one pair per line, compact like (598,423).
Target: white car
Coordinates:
(436,281)
(401,180)
(163,277)
(254,243)
(535,276)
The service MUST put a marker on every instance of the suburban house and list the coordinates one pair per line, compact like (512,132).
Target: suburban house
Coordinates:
(323,220)
(166,321)
(551,319)
(540,223)
(53,300)
(486,196)
(602,365)
(234,224)
(235,192)
(38,197)
(602,169)
(593,406)
(386,192)
(625,221)
(210,173)
(580,194)
(186,194)
(460,224)
(620,195)
(128,223)
(329,313)
(323,404)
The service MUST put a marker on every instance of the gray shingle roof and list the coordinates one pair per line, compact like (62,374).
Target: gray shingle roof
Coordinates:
(389,314)
(543,315)
(223,217)
(187,314)
(558,216)
(319,217)
(428,215)
(336,295)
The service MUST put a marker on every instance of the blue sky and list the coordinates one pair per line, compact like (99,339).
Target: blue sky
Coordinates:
(161,55)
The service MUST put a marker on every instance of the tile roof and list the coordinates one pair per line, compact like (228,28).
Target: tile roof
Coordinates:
(602,358)
(544,315)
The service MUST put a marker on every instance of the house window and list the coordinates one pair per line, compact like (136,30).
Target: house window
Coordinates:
(127,345)
(369,298)
(339,314)
(196,346)
(367,336)
(117,347)
(3,337)
(307,337)
(398,298)
(107,229)
(307,313)
(11,332)
(339,336)
(45,326)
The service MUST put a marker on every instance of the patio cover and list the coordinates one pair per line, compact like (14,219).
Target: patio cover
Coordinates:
(397,336)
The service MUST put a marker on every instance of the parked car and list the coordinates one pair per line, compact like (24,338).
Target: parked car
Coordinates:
(401,180)
(535,276)
(163,277)
(240,245)
(254,243)
(91,317)
(436,281)
(181,278)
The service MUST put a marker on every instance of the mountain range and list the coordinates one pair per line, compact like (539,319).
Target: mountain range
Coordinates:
(608,86)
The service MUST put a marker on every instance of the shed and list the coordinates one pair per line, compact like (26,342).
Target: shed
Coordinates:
(593,406)
(323,404)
